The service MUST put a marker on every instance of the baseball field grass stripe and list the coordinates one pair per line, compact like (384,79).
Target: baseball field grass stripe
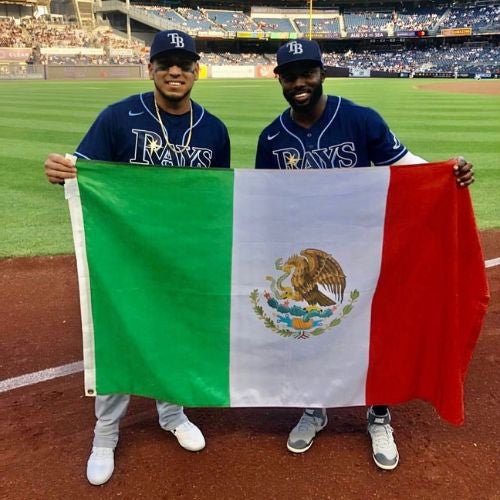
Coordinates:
(52,116)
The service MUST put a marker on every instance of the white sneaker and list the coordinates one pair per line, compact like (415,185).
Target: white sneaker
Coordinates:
(189,436)
(100,465)
(385,451)
(302,435)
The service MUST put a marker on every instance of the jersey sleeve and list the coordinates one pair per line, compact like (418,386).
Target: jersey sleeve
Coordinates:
(264,156)
(222,158)
(383,145)
(98,142)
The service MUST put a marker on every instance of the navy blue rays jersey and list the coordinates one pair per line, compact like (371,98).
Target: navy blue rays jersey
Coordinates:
(129,131)
(346,135)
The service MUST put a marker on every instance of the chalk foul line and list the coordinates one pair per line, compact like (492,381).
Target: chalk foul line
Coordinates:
(41,376)
(492,262)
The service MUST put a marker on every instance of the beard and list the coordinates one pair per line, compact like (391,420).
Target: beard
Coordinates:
(173,98)
(317,92)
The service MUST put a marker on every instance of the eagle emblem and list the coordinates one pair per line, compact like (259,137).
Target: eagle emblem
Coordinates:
(309,269)
(305,299)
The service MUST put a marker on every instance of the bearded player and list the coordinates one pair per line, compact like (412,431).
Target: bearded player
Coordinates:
(323,131)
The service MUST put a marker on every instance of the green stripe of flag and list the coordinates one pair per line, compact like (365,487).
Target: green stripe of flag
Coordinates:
(152,238)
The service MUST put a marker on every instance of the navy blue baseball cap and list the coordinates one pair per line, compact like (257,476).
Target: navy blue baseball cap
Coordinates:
(167,41)
(298,50)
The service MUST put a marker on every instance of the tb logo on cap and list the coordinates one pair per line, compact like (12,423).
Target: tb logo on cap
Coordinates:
(177,40)
(295,48)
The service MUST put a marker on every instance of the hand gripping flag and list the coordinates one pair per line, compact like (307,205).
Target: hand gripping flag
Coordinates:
(329,288)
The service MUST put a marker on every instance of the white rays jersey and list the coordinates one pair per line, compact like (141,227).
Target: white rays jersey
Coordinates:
(128,131)
(347,135)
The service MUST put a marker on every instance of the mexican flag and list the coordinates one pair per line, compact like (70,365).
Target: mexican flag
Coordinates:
(305,288)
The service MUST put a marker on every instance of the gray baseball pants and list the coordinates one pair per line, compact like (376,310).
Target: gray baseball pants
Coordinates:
(109,410)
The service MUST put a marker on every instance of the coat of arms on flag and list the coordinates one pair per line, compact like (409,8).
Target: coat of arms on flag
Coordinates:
(310,303)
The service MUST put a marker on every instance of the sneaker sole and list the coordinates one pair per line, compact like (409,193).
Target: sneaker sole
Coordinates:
(299,450)
(385,466)
(101,480)
(193,448)
(187,446)
(302,450)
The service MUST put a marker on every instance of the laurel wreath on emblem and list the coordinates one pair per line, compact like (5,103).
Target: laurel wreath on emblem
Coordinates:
(308,270)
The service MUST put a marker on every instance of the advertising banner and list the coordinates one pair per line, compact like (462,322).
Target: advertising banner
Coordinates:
(456,32)
(14,54)
(264,71)
(233,71)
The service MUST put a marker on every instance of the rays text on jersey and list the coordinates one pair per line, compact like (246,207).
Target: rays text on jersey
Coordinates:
(337,156)
(150,150)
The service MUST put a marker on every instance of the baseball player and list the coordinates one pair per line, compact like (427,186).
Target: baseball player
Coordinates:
(323,131)
(164,128)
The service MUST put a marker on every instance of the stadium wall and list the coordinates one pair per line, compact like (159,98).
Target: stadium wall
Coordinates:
(21,71)
(108,72)
(113,72)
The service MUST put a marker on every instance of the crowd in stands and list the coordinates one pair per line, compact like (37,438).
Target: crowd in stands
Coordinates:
(39,33)
(473,16)
(231,21)
(445,60)
(12,35)
(364,22)
(45,34)
(459,59)
(421,19)
(214,58)
(273,24)
(326,25)
(81,59)
(196,18)
(405,19)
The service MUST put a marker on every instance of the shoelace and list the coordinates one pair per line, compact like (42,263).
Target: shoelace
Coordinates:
(102,452)
(306,421)
(186,426)
(382,435)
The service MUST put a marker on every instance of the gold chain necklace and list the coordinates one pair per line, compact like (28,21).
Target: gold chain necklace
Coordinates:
(164,130)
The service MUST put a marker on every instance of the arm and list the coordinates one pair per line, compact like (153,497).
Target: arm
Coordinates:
(97,144)
(410,159)
(224,160)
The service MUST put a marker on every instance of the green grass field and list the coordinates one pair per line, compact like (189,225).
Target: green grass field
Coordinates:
(37,118)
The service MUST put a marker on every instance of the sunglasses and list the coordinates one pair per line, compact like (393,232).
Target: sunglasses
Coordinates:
(186,65)
(292,74)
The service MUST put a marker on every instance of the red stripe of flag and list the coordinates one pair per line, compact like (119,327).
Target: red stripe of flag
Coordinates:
(432,292)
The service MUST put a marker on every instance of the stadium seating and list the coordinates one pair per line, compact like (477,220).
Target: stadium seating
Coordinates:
(481,18)
(364,22)
(232,20)
(325,25)
(469,56)
(274,24)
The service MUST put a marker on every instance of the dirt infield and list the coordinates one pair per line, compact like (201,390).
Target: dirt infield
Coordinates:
(485,87)
(47,428)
